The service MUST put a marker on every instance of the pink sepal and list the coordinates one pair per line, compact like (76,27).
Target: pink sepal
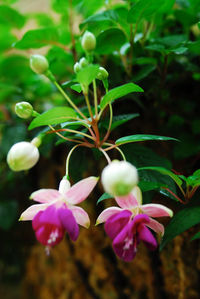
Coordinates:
(80,191)
(127,202)
(80,215)
(45,195)
(156,210)
(30,213)
(108,213)
(156,226)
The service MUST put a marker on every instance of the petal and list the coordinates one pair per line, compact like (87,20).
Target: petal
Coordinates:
(146,236)
(45,195)
(156,210)
(81,216)
(68,222)
(80,191)
(30,213)
(122,250)
(108,213)
(116,223)
(48,216)
(136,192)
(156,226)
(127,202)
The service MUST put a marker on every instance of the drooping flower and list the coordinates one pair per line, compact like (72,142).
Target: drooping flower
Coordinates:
(57,211)
(127,232)
(131,218)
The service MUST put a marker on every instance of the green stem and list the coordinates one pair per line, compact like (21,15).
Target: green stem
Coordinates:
(68,158)
(95,99)
(114,146)
(74,131)
(105,154)
(88,105)
(69,100)
(110,123)
(63,137)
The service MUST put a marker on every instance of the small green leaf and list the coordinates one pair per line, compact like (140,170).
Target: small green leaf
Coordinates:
(87,74)
(77,87)
(119,92)
(119,120)
(110,40)
(53,116)
(38,38)
(165,172)
(195,237)
(148,186)
(182,221)
(194,180)
(103,197)
(10,16)
(142,137)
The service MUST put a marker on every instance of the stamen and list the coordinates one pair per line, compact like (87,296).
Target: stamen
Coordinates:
(53,236)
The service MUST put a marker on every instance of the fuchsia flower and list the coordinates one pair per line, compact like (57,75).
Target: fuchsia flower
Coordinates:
(127,225)
(57,212)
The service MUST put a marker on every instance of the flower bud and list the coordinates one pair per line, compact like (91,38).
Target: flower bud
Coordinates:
(24,109)
(83,62)
(22,156)
(102,74)
(39,64)
(77,67)
(119,178)
(88,41)
(64,186)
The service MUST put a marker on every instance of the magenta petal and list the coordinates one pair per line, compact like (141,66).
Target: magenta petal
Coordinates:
(47,227)
(125,244)
(116,223)
(146,236)
(68,222)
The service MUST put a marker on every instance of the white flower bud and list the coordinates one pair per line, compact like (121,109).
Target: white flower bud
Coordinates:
(22,156)
(24,109)
(39,64)
(83,62)
(119,178)
(88,41)
(64,186)
(77,67)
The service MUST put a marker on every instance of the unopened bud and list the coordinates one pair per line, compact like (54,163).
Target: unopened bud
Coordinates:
(22,156)
(88,41)
(83,62)
(39,64)
(102,74)
(77,67)
(119,178)
(24,109)
(64,186)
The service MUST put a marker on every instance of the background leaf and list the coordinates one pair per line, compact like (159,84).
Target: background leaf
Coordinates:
(142,137)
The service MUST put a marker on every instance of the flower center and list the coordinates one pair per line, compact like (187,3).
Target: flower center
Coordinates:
(53,237)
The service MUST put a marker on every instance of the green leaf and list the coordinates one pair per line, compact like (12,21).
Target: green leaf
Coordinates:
(103,197)
(165,172)
(105,16)
(148,186)
(119,92)
(77,87)
(110,40)
(195,237)
(119,120)
(38,38)
(143,9)
(194,180)
(10,16)
(87,74)
(142,137)
(53,116)
(182,221)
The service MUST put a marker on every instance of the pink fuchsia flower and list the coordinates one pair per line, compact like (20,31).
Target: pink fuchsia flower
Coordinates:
(127,225)
(133,203)
(57,211)
(127,232)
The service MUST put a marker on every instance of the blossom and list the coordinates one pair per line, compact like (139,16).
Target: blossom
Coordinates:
(127,232)
(127,224)
(57,211)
